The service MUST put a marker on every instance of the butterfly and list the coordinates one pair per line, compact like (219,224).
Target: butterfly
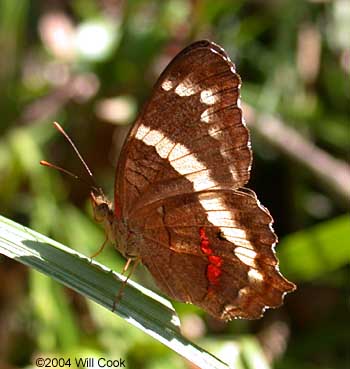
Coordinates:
(180,206)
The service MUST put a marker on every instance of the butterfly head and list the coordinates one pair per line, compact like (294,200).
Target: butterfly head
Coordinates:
(101,206)
(103,212)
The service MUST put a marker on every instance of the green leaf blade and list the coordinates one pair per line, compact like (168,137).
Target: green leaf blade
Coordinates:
(140,307)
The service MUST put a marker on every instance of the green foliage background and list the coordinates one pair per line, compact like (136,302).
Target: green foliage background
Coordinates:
(293,57)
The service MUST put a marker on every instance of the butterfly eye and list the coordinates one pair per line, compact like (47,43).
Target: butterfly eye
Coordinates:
(101,212)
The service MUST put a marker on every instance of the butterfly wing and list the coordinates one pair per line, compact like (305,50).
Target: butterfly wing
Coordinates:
(178,188)
(190,136)
(213,249)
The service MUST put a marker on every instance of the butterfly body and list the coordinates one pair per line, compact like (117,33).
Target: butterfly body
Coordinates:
(180,204)
(115,228)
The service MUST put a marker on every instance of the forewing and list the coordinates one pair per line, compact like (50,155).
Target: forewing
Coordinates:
(190,135)
(214,249)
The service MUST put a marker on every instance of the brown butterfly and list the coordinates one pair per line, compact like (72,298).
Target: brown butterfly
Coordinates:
(179,204)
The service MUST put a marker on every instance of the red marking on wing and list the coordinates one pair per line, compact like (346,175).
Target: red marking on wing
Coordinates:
(205,248)
(215,262)
(213,274)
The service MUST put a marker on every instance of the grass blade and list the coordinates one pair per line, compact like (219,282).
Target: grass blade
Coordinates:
(142,308)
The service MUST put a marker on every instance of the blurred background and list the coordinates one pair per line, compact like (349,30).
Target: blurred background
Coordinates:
(90,65)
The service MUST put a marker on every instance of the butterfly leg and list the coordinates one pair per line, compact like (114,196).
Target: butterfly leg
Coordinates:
(100,249)
(121,290)
(126,266)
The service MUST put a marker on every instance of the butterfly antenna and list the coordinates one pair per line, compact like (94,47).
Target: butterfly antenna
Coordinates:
(65,171)
(92,182)
(64,133)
